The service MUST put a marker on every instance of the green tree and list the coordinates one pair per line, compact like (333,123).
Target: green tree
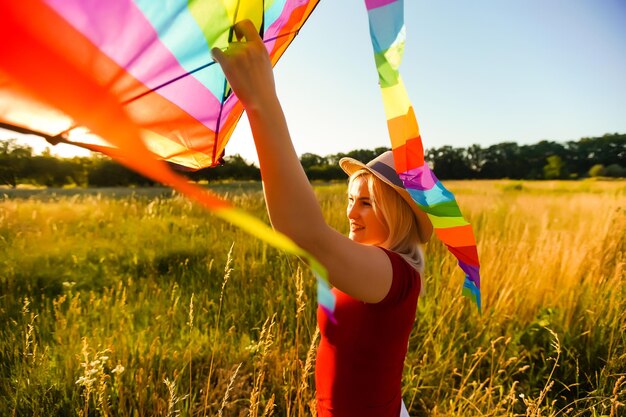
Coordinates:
(363,155)
(555,168)
(615,171)
(596,171)
(108,173)
(234,167)
(475,156)
(309,160)
(503,160)
(450,162)
(13,161)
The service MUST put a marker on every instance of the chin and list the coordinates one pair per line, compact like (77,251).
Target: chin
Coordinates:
(352,237)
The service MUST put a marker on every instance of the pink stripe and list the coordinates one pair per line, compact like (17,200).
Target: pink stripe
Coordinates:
(420,178)
(375,4)
(140,51)
(276,27)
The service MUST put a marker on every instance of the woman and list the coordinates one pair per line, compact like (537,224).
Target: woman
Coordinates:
(376,271)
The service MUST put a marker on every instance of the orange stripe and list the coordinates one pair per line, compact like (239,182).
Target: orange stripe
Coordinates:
(403,128)
(457,236)
(409,156)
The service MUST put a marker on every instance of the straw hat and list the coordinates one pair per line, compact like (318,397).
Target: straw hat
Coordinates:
(383,168)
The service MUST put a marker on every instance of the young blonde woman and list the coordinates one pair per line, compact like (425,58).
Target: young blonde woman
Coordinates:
(375,272)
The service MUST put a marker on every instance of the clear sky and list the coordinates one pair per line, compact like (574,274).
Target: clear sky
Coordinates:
(476,71)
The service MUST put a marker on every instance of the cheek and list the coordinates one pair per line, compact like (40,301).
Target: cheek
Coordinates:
(380,226)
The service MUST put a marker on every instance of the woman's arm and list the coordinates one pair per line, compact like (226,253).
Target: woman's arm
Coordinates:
(362,271)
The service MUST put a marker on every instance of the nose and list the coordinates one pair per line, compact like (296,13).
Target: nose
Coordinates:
(352,211)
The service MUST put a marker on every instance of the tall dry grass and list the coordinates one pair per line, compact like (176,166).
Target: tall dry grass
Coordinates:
(137,306)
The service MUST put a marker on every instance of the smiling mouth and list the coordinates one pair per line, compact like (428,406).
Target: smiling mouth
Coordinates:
(354,228)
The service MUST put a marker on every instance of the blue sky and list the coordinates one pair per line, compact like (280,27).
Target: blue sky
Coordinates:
(476,71)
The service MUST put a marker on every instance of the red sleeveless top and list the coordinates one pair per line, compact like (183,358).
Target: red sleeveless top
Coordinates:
(360,359)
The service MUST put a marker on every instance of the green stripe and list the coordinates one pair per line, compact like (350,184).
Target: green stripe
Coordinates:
(386,74)
(445,209)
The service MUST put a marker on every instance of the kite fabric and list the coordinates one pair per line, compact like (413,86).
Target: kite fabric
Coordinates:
(134,79)
(155,58)
(387,31)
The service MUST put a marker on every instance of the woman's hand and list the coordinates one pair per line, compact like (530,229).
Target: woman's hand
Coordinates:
(247,66)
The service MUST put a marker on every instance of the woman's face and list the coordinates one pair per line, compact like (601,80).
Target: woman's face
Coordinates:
(365,226)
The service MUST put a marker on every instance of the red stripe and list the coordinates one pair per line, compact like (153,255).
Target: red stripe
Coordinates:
(409,156)
(467,254)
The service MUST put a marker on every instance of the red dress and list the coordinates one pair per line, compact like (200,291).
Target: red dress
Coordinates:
(360,359)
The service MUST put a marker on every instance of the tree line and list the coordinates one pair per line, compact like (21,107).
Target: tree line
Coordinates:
(587,157)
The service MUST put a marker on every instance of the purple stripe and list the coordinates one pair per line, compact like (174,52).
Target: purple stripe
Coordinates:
(420,178)
(140,52)
(328,313)
(375,4)
(472,272)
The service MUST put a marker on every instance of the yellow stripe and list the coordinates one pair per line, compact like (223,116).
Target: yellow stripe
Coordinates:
(264,232)
(208,14)
(259,229)
(252,10)
(446,222)
(396,100)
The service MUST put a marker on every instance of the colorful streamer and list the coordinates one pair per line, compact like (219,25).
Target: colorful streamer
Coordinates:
(387,31)
(62,66)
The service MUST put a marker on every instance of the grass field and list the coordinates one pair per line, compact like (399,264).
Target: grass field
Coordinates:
(143,304)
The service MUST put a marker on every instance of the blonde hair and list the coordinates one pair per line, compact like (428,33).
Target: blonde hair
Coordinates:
(397,216)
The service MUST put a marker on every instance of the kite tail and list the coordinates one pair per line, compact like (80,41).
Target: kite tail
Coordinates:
(387,31)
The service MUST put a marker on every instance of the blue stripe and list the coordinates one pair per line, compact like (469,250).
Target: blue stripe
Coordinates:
(324,296)
(273,13)
(178,30)
(436,195)
(470,290)
(386,24)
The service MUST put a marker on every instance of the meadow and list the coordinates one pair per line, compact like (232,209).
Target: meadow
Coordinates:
(140,303)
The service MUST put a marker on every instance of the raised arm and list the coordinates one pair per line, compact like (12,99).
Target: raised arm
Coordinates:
(362,271)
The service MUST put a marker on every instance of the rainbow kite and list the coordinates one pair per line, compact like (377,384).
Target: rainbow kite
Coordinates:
(154,59)
(387,30)
(135,79)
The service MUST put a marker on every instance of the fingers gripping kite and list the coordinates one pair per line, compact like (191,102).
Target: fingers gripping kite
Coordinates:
(137,81)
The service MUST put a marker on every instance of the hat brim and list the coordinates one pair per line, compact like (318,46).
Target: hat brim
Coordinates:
(425,226)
